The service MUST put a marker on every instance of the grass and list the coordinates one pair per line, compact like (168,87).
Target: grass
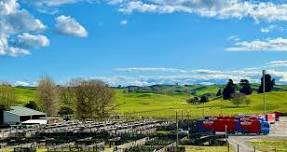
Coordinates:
(159,105)
(266,145)
(206,148)
(164,106)
(24,95)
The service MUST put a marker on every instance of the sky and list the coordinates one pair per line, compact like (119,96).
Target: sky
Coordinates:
(142,42)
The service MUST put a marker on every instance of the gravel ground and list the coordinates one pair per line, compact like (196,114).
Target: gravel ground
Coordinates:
(278,131)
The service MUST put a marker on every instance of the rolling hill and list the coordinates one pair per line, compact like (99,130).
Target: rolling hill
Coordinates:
(165,105)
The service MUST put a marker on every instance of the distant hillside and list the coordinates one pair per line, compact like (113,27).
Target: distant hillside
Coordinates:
(25,94)
(165,104)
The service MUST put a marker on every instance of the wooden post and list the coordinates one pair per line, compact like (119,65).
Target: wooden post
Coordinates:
(237,147)
(228,146)
(254,149)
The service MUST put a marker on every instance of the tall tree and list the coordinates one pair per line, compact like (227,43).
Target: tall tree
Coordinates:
(7,96)
(219,93)
(229,90)
(47,95)
(93,98)
(269,84)
(245,87)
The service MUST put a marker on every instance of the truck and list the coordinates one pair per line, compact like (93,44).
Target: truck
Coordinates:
(233,125)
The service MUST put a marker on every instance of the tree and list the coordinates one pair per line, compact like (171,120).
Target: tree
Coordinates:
(32,105)
(229,90)
(66,112)
(93,98)
(269,84)
(219,93)
(238,98)
(66,96)
(47,95)
(7,96)
(194,100)
(245,87)
(204,99)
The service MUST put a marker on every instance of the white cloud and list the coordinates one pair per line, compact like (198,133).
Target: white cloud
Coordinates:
(67,25)
(51,3)
(22,83)
(124,22)
(278,63)
(233,38)
(15,52)
(271,28)
(208,8)
(14,21)
(277,44)
(27,40)
(149,69)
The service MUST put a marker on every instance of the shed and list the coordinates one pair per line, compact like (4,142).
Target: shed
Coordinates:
(18,114)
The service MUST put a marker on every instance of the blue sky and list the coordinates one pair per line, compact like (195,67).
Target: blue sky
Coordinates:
(142,42)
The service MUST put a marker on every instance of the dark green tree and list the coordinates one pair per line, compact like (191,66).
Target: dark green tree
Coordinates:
(204,99)
(245,87)
(269,84)
(32,105)
(219,93)
(229,90)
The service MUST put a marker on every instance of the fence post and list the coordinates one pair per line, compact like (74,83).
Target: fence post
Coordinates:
(275,149)
(254,149)
(228,146)
(237,147)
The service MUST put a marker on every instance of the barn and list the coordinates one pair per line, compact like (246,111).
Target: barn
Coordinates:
(19,114)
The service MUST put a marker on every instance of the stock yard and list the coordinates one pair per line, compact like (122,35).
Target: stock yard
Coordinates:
(145,135)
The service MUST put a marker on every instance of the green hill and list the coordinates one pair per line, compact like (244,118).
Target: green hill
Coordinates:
(158,105)
(165,105)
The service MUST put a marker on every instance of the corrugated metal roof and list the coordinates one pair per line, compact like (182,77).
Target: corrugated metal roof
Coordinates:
(23,111)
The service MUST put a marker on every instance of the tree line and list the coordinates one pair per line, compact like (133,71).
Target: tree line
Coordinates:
(84,99)
(236,93)
(245,87)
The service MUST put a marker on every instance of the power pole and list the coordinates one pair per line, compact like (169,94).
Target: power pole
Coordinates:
(264,90)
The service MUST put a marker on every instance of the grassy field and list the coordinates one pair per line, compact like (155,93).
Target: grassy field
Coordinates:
(206,149)
(164,106)
(159,105)
(266,145)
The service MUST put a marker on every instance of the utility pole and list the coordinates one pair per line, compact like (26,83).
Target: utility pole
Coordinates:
(263,90)
(203,110)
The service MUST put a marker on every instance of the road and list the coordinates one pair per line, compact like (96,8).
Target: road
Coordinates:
(278,131)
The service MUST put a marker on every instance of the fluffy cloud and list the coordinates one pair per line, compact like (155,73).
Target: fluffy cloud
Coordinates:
(15,21)
(208,8)
(67,25)
(27,40)
(277,44)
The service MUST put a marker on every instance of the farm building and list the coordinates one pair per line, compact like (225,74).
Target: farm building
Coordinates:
(19,114)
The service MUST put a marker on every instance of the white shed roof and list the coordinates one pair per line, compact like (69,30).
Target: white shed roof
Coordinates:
(23,111)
